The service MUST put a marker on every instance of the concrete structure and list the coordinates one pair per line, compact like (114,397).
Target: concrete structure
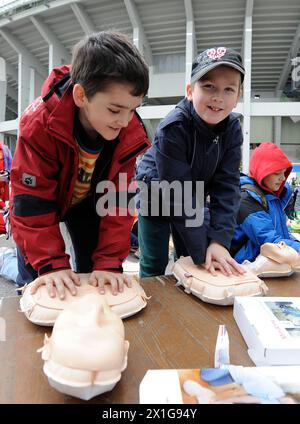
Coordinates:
(37,35)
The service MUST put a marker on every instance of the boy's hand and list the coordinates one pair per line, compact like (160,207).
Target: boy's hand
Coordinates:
(57,281)
(116,280)
(218,257)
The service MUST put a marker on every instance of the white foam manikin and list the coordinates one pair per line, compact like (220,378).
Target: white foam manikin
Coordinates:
(281,253)
(266,268)
(42,309)
(87,350)
(275,260)
(220,289)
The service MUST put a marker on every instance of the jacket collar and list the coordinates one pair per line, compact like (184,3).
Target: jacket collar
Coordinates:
(60,122)
(187,107)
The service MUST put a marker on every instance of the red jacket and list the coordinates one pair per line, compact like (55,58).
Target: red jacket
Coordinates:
(43,175)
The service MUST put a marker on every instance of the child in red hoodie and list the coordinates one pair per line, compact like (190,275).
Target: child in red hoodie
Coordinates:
(265,194)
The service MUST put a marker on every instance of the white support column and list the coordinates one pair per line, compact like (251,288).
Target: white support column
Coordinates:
(24,79)
(31,85)
(247,84)
(277,130)
(35,84)
(83,18)
(3,86)
(12,71)
(26,60)
(139,37)
(38,85)
(58,54)
(277,121)
(190,40)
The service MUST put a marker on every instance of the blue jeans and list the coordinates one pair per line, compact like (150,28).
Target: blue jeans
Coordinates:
(9,268)
(154,234)
(154,245)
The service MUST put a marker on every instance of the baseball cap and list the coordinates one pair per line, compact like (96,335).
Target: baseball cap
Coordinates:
(216,56)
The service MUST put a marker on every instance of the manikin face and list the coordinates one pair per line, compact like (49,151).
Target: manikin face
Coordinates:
(273,181)
(107,112)
(215,94)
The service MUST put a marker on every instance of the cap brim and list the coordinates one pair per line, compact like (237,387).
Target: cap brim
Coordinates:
(202,72)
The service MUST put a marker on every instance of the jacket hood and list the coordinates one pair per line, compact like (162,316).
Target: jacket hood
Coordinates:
(267,159)
(54,77)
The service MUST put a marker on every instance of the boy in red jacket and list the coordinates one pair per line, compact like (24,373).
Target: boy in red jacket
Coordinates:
(82,131)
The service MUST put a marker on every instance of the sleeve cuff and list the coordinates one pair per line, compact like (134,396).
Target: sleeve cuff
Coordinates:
(54,265)
(216,236)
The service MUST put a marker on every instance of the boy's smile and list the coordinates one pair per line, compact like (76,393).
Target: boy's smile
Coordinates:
(107,112)
(215,94)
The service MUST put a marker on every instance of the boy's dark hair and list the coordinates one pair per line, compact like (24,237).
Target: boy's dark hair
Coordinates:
(106,57)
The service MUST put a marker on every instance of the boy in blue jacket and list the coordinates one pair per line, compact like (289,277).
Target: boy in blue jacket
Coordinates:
(261,218)
(200,140)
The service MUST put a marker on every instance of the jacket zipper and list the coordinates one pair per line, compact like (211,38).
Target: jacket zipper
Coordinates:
(133,153)
(215,142)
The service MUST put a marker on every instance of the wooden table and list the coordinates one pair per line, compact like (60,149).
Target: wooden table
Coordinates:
(176,330)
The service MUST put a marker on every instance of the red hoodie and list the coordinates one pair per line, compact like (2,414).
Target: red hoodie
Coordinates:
(44,171)
(267,159)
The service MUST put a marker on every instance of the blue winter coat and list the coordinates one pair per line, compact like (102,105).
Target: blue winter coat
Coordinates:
(256,226)
(185,148)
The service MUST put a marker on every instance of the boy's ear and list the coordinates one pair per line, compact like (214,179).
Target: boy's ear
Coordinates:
(79,95)
(189,92)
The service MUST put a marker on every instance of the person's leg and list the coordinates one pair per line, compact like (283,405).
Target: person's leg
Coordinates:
(9,263)
(83,225)
(179,247)
(153,236)
(26,274)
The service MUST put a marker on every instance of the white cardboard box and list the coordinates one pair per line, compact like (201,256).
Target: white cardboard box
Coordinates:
(271,328)
(160,387)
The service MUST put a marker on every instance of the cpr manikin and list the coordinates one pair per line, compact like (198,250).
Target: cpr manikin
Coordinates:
(219,289)
(86,352)
(275,260)
(41,309)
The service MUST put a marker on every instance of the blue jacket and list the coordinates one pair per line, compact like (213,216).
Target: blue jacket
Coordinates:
(186,149)
(256,226)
